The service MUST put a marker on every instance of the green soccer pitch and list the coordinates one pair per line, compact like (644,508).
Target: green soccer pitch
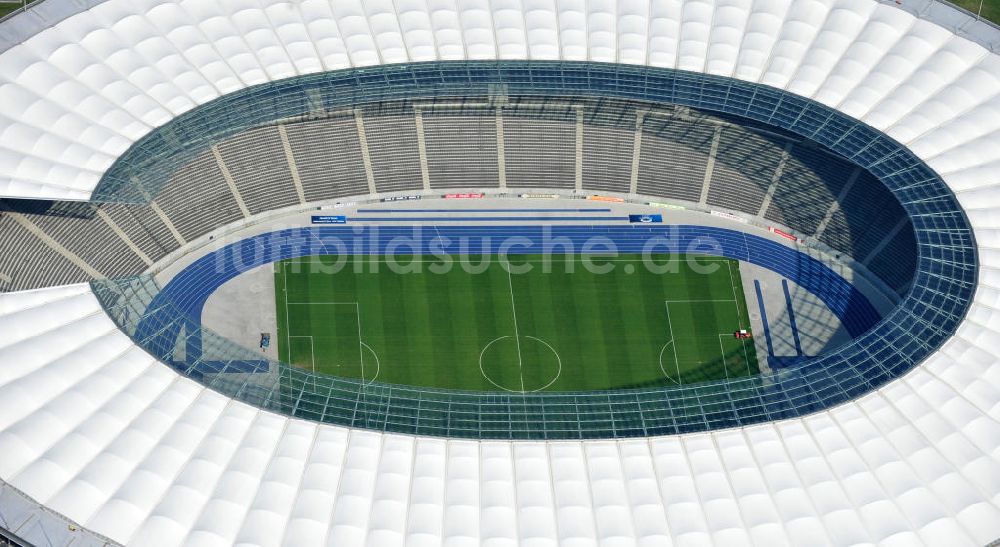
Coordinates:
(558,328)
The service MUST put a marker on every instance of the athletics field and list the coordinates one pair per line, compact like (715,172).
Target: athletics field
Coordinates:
(524,323)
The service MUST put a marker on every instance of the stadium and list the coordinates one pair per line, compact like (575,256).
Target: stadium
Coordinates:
(499,272)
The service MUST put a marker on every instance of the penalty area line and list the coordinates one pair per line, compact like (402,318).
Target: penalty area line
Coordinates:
(722,349)
(673,342)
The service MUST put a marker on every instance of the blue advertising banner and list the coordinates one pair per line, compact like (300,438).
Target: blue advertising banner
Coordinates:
(329,219)
(645,219)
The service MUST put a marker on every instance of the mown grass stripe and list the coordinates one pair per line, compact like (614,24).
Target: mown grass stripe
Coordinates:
(429,329)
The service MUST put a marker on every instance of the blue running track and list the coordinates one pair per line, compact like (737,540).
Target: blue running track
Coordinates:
(393,211)
(763,318)
(490,219)
(179,305)
(791,317)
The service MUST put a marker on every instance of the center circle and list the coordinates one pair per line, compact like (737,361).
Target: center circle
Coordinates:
(520,365)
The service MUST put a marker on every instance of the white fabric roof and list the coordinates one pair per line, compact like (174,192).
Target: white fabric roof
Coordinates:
(94,429)
(75,96)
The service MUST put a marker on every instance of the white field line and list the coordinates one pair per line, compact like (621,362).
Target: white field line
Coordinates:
(743,342)
(660,362)
(351,303)
(312,353)
(357,308)
(288,319)
(483,372)
(561,258)
(378,364)
(320,241)
(722,348)
(549,258)
(361,345)
(703,300)
(558,361)
(732,285)
(517,337)
(677,361)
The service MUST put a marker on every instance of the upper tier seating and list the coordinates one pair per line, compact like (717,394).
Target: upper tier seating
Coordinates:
(540,147)
(461,147)
(143,227)
(811,180)
(391,132)
(674,156)
(894,262)
(26,262)
(214,206)
(866,215)
(816,193)
(328,156)
(254,160)
(608,137)
(744,168)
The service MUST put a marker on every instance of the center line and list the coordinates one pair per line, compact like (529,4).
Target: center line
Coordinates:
(517,338)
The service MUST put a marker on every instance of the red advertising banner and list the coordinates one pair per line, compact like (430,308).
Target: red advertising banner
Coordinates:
(606,198)
(463,196)
(783,233)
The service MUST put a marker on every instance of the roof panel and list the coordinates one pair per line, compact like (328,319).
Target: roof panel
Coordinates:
(125,447)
